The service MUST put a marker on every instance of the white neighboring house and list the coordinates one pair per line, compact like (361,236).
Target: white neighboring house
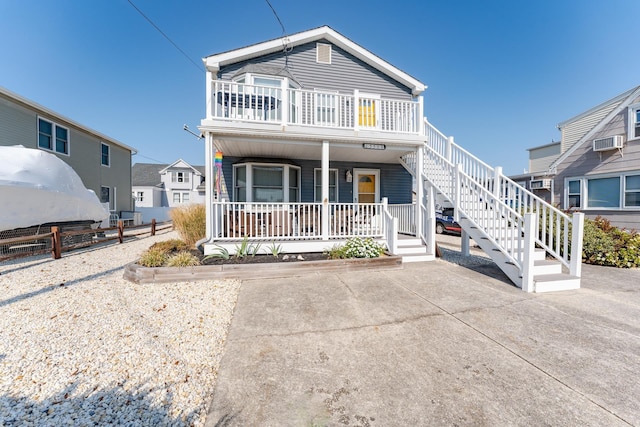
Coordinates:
(167,186)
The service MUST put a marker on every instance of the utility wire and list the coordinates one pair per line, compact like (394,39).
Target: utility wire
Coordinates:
(199,67)
(284,32)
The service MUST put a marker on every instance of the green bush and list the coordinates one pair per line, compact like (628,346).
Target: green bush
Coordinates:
(190,222)
(604,244)
(182,259)
(153,258)
(173,245)
(356,247)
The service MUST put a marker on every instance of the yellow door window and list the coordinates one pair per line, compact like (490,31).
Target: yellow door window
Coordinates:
(367,189)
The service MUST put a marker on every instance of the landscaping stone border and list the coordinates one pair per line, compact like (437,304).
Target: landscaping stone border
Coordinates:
(139,274)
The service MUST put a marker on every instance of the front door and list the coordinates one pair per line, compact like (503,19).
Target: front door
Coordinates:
(366,185)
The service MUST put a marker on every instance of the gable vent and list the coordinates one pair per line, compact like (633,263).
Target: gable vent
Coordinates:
(610,143)
(323,53)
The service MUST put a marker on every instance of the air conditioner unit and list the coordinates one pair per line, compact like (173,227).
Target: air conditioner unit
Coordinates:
(610,143)
(540,184)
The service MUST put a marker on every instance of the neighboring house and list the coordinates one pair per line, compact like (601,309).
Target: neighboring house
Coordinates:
(595,167)
(321,140)
(162,185)
(103,163)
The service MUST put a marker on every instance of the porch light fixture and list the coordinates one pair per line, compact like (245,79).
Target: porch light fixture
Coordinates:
(348,176)
(369,146)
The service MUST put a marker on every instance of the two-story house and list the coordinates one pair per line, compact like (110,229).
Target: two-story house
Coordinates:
(595,167)
(321,140)
(162,185)
(103,163)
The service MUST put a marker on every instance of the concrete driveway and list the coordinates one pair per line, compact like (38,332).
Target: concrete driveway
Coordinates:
(432,344)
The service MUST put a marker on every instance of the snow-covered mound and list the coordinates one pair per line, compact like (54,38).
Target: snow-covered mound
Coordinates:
(36,187)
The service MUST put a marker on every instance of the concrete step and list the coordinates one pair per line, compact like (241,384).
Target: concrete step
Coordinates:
(418,258)
(411,241)
(414,249)
(555,282)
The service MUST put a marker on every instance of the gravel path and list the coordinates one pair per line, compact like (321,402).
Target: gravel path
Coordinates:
(79,345)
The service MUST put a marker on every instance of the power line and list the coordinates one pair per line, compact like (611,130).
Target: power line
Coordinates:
(284,32)
(199,67)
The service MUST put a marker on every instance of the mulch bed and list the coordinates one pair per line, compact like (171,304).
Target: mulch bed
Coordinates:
(262,258)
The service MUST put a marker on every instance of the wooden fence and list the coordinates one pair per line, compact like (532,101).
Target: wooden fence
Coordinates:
(53,241)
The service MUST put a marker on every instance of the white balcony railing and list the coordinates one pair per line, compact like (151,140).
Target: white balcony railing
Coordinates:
(264,104)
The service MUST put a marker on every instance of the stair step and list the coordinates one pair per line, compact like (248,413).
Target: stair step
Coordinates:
(545,267)
(409,242)
(555,282)
(416,249)
(417,258)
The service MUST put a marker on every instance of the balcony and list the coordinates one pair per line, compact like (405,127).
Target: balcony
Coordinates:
(268,105)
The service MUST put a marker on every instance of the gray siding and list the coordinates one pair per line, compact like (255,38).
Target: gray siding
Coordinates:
(572,132)
(395,181)
(344,74)
(540,158)
(19,126)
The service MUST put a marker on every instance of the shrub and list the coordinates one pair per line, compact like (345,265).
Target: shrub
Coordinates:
(604,244)
(190,222)
(173,245)
(356,247)
(182,259)
(153,258)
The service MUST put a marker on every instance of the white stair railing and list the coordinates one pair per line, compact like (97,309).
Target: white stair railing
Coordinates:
(496,204)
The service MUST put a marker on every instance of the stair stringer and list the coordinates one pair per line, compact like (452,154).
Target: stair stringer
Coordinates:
(491,248)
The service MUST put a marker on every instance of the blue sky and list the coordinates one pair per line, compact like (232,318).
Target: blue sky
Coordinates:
(501,74)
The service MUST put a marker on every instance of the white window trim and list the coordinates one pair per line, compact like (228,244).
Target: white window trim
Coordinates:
(249,180)
(584,192)
(108,165)
(631,129)
(54,125)
(315,185)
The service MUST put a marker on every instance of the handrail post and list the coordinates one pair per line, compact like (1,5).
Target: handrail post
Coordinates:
(56,250)
(429,228)
(356,109)
(577,227)
(496,181)
(530,226)
(448,152)
(284,102)
(456,191)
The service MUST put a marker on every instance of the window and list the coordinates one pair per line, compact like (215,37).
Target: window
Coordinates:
(634,121)
(140,196)
(611,191)
(104,195)
(53,137)
(45,134)
(603,192)
(574,194)
(105,161)
(333,185)
(632,191)
(326,108)
(179,177)
(266,183)
(180,198)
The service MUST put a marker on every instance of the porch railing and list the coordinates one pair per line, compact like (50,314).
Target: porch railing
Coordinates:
(405,213)
(295,221)
(266,104)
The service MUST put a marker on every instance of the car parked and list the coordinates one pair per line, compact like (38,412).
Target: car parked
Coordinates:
(445,222)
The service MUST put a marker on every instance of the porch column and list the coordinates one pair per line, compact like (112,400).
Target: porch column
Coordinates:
(430,225)
(208,192)
(209,96)
(324,226)
(419,190)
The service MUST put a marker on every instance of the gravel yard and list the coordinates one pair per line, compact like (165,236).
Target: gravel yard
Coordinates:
(79,345)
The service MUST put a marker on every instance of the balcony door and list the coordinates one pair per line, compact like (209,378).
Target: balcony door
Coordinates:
(368,111)
(366,185)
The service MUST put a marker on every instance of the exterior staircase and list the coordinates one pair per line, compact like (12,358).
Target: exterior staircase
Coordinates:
(536,245)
